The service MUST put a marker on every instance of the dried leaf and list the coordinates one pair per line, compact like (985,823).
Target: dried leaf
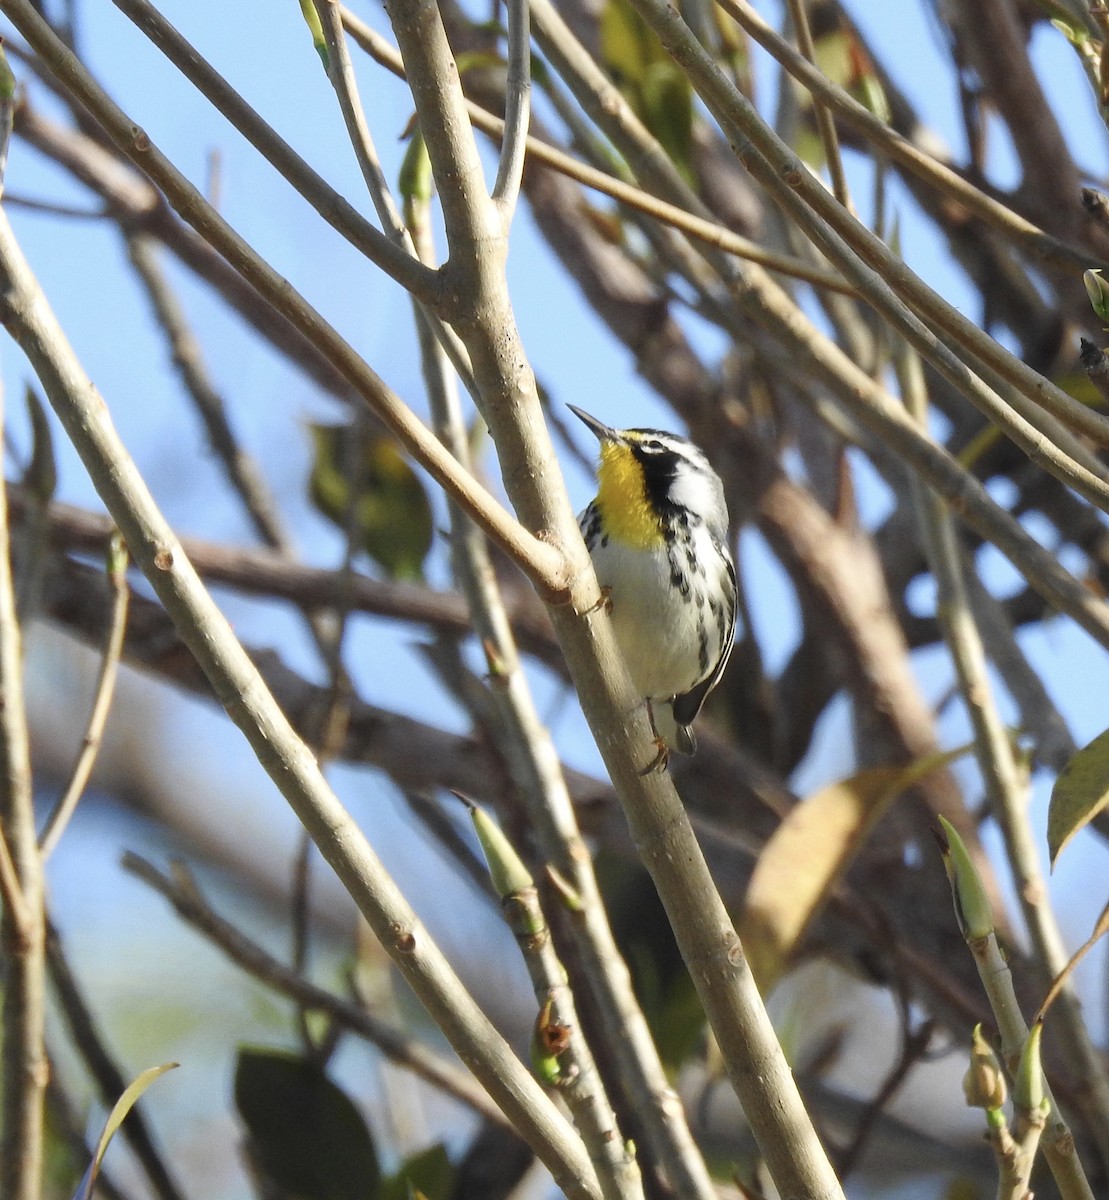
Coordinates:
(1079,794)
(808,854)
(115,1119)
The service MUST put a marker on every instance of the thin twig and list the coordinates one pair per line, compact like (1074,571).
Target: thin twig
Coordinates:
(825,122)
(102,703)
(191,906)
(52,209)
(517,111)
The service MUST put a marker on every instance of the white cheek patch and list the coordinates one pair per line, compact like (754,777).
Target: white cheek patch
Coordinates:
(694,490)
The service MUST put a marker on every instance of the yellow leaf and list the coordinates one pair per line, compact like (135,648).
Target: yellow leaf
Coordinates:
(809,853)
(1079,794)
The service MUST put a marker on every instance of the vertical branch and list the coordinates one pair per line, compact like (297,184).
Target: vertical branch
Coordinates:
(517,108)
(659,825)
(23,1069)
(535,769)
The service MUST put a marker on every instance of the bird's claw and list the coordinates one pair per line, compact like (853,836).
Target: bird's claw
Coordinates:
(661,760)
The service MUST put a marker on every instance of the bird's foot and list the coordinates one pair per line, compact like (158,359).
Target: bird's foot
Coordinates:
(661,760)
(659,763)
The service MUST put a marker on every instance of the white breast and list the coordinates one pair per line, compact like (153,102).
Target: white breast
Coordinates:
(657,628)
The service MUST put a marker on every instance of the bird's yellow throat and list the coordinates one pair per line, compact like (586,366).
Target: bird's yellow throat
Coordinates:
(626,512)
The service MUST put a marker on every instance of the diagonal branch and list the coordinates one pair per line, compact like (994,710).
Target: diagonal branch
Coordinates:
(285,757)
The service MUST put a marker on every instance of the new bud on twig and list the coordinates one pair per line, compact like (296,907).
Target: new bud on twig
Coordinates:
(506,869)
(972,905)
(1098,291)
(984,1082)
(1028,1084)
(550,1039)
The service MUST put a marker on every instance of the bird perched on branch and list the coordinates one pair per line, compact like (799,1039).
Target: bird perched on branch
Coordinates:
(656,531)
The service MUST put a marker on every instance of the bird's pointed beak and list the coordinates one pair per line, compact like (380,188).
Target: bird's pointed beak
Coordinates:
(603,432)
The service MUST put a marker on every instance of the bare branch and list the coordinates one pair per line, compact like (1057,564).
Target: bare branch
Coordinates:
(23,1063)
(510,168)
(288,761)
(98,715)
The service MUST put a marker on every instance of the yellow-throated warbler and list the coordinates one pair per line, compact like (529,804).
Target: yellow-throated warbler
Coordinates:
(656,531)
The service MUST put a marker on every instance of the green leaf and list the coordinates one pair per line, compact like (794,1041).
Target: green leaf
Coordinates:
(115,1119)
(1028,1085)
(415,180)
(392,518)
(306,1138)
(479,60)
(506,868)
(844,60)
(428,1173)
(667,111)
(7,77)
(626,48)
(659,93)
(1079,794)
